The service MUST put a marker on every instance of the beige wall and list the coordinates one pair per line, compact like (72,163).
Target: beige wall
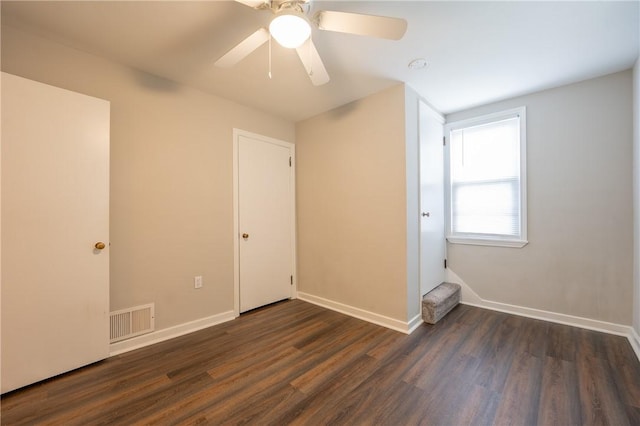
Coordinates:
(351,204)
(171,194)
(171,176)
(579,159)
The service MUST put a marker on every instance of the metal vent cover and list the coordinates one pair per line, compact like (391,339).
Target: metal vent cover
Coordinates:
(131,322)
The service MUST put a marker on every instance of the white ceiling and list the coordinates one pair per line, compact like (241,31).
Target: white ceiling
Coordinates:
(478,52)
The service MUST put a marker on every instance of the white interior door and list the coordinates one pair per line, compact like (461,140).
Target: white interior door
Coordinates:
(265,220)
(55,208)
(432,238)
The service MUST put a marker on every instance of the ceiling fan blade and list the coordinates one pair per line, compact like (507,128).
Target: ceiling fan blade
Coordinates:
(256,4)
(366,25)
(312,63)
(243,49)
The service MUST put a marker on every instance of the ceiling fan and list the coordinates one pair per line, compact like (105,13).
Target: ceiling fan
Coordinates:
(291,28)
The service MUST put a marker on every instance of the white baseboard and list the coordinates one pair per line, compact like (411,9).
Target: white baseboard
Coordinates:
(168,333)
(581,322)
(471,298)
(634,339)
(393,324)
(415,322)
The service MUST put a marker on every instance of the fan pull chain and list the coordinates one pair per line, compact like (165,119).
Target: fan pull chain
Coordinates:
(270,77)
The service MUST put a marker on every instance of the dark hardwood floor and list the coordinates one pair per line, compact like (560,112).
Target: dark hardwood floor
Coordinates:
(296,363)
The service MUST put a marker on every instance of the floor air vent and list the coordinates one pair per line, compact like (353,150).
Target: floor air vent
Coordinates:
(131,322)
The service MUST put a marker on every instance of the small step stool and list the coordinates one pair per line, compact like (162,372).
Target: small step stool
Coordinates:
(439,301)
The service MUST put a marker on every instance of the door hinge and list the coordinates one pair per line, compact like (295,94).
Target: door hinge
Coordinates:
(444,141)
(291,279)
(445,264)
(289,161)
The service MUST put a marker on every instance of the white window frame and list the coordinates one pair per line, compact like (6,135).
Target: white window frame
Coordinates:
(489,239)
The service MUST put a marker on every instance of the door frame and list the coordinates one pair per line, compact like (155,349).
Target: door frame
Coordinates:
(236,211)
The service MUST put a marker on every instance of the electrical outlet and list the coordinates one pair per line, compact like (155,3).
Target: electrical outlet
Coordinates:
(197,281)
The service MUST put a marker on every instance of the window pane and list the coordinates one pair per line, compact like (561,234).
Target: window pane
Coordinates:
(485,179)
(489,151)
(486,207)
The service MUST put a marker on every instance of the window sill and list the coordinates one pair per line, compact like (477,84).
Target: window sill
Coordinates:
(487,242)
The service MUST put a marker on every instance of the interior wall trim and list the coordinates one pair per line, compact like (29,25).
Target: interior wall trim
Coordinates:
(372,317)
(581,322)
(415,322)
(471,298)
(586,323)
(169,333)
(634,339)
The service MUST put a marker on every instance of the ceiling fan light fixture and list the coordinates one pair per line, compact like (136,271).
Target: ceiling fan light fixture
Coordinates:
(290,29)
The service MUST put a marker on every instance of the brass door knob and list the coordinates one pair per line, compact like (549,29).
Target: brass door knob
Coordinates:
(100,245)
(245,236)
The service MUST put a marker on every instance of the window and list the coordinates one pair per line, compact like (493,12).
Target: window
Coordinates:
(486,178)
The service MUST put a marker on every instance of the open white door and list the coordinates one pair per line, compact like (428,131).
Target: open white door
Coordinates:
(432,238)
(55,209)
(265,220)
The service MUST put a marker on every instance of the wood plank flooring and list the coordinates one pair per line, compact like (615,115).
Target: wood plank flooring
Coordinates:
(296,363)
